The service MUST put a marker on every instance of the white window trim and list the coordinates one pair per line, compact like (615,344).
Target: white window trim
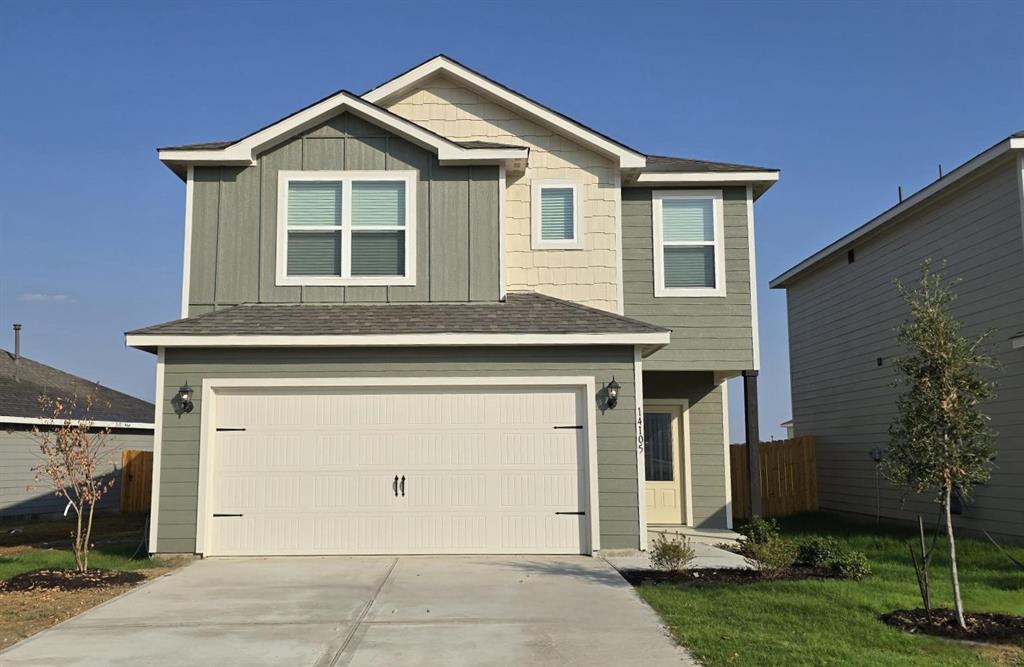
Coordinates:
(657,199)
(346,178)
(576,242)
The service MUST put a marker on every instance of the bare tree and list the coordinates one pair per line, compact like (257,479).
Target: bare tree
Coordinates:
(73,455)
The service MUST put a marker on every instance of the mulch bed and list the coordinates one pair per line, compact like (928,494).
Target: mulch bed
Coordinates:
(722,576)
(69,580)
(980,626)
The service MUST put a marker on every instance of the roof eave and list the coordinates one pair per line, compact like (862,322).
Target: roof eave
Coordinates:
(843,243)
(759,180)
(152,341)
(245,151)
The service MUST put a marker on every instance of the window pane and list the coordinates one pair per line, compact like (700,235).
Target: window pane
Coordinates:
(687,220)
(378,203)
(689,266)
(378,253)
(314,203)
(314,253)
(556,214)
(658,446)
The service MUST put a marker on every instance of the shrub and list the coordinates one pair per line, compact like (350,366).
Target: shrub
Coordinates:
(819,551)
(850,565)
(773,558)
(759,530)
(671,554)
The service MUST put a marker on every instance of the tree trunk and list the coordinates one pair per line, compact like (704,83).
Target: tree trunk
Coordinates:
(88,537)
(958,605)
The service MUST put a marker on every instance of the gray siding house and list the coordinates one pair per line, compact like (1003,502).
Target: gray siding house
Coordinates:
(440,317)
(22,382)
(843,311)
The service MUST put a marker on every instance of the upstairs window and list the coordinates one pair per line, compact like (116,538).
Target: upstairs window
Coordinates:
(555,213)
(688,243)
(346,228)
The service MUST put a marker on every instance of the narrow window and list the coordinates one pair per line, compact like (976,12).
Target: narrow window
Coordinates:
(556,215)
(850,257)
(688,244)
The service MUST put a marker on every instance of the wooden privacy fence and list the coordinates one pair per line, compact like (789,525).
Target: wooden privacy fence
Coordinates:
(789,481)
(136,480)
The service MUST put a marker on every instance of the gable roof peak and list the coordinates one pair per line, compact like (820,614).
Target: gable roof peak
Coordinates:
(629,158)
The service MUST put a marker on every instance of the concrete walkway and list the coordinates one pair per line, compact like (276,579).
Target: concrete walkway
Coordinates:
(707,557)
(356,612)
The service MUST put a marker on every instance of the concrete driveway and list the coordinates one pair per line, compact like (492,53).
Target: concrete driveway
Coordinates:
(356,612)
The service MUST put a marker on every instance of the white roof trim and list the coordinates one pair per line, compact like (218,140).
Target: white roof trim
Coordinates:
(56,422)
(654,339)
(949,179)
(244,151)
(628,159)
(673,177)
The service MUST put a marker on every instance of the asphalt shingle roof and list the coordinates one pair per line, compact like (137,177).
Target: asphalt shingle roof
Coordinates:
(657,163)
(23,383)
(521,313)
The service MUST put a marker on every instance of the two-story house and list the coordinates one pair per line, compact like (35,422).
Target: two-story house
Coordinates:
(441,317)
(843,313)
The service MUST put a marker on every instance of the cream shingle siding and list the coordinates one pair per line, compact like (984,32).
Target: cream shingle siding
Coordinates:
(588,275)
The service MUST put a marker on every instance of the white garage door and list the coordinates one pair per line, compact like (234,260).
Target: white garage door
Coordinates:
(398,471)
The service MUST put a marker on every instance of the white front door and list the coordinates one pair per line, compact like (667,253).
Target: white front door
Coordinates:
(398,471)
(662,436)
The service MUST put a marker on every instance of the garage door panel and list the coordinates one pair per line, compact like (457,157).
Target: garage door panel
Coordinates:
(485,472)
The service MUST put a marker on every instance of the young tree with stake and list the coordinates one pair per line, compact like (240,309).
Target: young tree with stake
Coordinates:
(940,441)
(73,454)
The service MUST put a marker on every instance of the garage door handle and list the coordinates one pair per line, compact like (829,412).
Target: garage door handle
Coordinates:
(572,513)
(395,486)
(218,516)
(403,486)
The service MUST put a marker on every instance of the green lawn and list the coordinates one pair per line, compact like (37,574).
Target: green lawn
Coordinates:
(835,622)
(37,544)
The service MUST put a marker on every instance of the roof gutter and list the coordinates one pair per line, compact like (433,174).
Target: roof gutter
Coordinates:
(972,165)
(37,421)
(652,341)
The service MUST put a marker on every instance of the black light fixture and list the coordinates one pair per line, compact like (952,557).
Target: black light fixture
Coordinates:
(613,393)
(184,397)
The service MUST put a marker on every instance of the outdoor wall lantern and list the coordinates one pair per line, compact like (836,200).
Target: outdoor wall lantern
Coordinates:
(613,393)
(184,397)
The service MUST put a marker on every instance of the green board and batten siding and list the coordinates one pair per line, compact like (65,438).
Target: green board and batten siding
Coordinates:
(234,222)
(616,435)
(708,333)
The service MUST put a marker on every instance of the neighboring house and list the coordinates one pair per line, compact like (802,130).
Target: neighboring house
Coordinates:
(844,308)
(22,382)
(789,428)
(438,318)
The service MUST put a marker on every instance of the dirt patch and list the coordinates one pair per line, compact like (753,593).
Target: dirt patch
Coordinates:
(23,613)
(69,580)
(722,576)
(981,626)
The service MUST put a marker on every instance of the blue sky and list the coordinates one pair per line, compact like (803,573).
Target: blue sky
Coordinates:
(849,100)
